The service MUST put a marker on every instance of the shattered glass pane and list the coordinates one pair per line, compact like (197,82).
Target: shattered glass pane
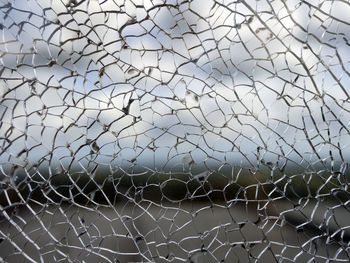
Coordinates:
(174,131)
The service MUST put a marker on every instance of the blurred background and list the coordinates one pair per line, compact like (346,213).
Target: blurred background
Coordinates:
(174,131)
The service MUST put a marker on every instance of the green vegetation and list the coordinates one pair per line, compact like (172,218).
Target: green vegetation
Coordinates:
(105,187)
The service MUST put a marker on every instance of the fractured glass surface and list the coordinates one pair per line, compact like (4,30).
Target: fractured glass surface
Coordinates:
(174,131)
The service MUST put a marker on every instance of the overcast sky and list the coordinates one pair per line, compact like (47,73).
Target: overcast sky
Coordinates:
(174,86)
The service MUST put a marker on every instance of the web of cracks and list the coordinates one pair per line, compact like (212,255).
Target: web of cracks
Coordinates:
(174,131)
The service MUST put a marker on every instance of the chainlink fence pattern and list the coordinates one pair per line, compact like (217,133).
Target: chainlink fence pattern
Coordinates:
(174,131)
